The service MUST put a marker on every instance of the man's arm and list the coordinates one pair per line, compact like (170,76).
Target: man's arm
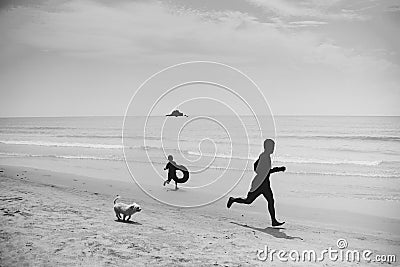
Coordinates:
(277,169)
(255,164)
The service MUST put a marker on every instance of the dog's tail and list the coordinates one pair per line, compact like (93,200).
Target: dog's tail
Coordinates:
(115,199)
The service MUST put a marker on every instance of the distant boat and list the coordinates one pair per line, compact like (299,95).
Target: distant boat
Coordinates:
(176,113)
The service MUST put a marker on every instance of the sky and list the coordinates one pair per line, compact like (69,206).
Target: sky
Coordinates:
(308,57)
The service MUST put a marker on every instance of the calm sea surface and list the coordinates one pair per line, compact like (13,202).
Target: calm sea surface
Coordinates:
(334,146)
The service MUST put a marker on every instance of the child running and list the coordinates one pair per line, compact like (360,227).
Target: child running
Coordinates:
(172,167)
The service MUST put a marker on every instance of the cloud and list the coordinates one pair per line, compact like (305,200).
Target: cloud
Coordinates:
(285,49)
(307,23)
(394,8)
(306,9)
(136,29)
(151,31)
(91,28)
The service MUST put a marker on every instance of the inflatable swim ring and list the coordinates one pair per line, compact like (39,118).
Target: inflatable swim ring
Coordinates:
(185,173)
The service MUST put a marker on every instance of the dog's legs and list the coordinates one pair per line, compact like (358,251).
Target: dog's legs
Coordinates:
(124,217)
(129,217)
(118,217)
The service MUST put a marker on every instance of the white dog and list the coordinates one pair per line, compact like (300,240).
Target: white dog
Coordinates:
(125,209)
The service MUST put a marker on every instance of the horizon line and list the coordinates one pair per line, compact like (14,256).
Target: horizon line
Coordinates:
(221,115)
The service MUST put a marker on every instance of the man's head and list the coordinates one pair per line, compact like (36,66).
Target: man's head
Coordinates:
(170,158)
(269,146)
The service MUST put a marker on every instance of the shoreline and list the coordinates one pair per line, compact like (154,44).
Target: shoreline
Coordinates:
(45,212)
(375,217)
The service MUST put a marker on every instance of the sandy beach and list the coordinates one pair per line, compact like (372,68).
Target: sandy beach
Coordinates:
(52,219)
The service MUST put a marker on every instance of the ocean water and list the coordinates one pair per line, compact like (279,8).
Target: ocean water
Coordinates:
(353,148)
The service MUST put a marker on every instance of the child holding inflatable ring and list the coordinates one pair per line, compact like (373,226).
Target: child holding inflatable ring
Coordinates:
(172,168)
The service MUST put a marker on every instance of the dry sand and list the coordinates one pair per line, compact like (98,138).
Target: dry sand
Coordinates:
(51,219)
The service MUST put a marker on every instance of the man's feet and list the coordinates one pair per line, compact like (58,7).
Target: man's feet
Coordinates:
(276,223)
(230,202)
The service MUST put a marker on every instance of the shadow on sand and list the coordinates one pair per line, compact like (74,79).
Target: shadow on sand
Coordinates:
(274,231)
(176,190)
(128,222)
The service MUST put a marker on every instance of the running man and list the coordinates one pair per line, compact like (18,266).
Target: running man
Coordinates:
(261,184)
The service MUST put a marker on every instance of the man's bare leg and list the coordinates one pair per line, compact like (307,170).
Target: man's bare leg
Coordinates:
(269,196)
(251,196)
